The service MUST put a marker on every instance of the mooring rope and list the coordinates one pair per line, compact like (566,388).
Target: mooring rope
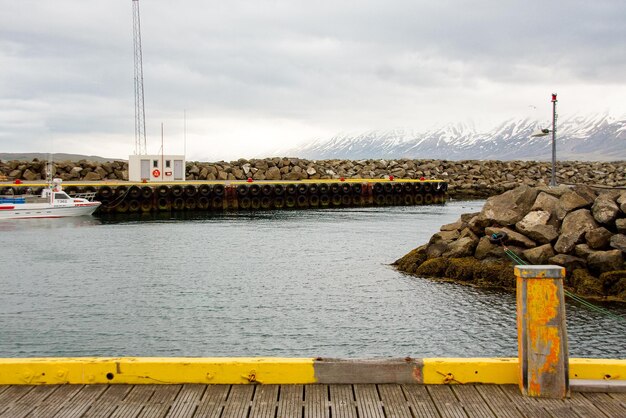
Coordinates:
(500,237)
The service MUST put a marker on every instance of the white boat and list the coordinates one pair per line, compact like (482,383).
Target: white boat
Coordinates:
(52,203)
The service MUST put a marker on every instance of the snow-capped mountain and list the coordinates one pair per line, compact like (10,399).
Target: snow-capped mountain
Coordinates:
(588,138)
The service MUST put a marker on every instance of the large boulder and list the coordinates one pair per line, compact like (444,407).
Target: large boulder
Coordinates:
(542,234)
(583,251)
(509,207)
(621,201)
(485,249)
(571,201)
(604,209)
(272,173)
(532,218)
(463,247)
(92,176)
(598,238)
(620,224)
(539,255)
(603,261)
(574,226)
(570,262)
(618,242)
(545,202)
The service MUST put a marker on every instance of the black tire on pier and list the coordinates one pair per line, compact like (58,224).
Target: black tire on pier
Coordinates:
(336,200)
(428,198)
(267,190)
(398,188)
(334,188)
(244,203)
(302,189)
(291,189)
(389,199)
(203,203)
(104,192)
(323,188)
(408,188)
(324,200)
(191,203)
(428,187)
(313,188)
(378,188)
(204,190)
(302,201)
(398,200)
(177,191)
(218,190)
(146,205)
(346,188)
(346,200)
(134,192)
(290,201)
(418,187)
(409,199)
(242,190)
(71,190)
(279,190)
(314,200)
(419,199)
(163,190)
(379,200)
(357,200)
(279,202)
(147,192)
(254,190)
(178,204)
(218,202)
(357,189)
(255,203)
(190,190)
(122,207)
(164,204)
(388,188)
(266,202)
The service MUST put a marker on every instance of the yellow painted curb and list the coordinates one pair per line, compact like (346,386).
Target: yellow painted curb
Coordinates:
(233,370)
(597,369)
(500,371)
(129,370)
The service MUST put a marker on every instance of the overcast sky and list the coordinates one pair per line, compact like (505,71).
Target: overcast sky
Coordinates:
(255,76)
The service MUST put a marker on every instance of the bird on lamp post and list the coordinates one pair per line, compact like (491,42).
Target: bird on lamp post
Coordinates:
(545,132)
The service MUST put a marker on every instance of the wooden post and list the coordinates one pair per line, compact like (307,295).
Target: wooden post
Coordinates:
(541,331)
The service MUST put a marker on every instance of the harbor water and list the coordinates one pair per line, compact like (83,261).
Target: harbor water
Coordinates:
(294,283)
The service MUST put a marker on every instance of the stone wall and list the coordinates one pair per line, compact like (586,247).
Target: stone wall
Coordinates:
(477,179)
(577,228)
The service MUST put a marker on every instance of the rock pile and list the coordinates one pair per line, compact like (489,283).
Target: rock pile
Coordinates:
(466,179)
(577,228)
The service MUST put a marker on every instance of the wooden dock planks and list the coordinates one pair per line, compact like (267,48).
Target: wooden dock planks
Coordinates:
(297,401)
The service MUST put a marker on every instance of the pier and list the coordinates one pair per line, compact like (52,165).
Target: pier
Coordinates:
(295,401)
(129,197)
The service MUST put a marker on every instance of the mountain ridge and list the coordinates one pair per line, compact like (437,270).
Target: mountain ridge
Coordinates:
(590,138)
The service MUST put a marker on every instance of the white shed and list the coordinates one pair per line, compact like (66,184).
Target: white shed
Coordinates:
(156,168)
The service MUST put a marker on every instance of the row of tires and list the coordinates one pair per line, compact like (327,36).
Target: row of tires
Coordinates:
(160,204)
(252,190)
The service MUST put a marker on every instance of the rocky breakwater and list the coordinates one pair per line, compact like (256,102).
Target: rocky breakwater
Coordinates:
(577,228)
(466,179)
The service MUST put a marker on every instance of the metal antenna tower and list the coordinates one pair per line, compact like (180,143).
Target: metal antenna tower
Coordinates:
(140,113)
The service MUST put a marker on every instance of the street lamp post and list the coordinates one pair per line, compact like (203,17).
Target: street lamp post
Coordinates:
(553,179)
(545,132)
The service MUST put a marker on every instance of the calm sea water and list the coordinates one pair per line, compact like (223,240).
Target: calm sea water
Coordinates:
(284,283)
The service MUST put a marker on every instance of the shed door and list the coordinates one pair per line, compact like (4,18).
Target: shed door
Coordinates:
(145,169)
(178,170)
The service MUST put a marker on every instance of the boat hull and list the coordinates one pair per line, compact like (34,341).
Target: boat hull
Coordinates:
(31,211)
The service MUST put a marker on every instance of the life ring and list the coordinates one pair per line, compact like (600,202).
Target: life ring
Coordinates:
(156,173)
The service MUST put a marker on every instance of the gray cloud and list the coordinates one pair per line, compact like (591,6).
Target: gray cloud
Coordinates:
(292,70)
